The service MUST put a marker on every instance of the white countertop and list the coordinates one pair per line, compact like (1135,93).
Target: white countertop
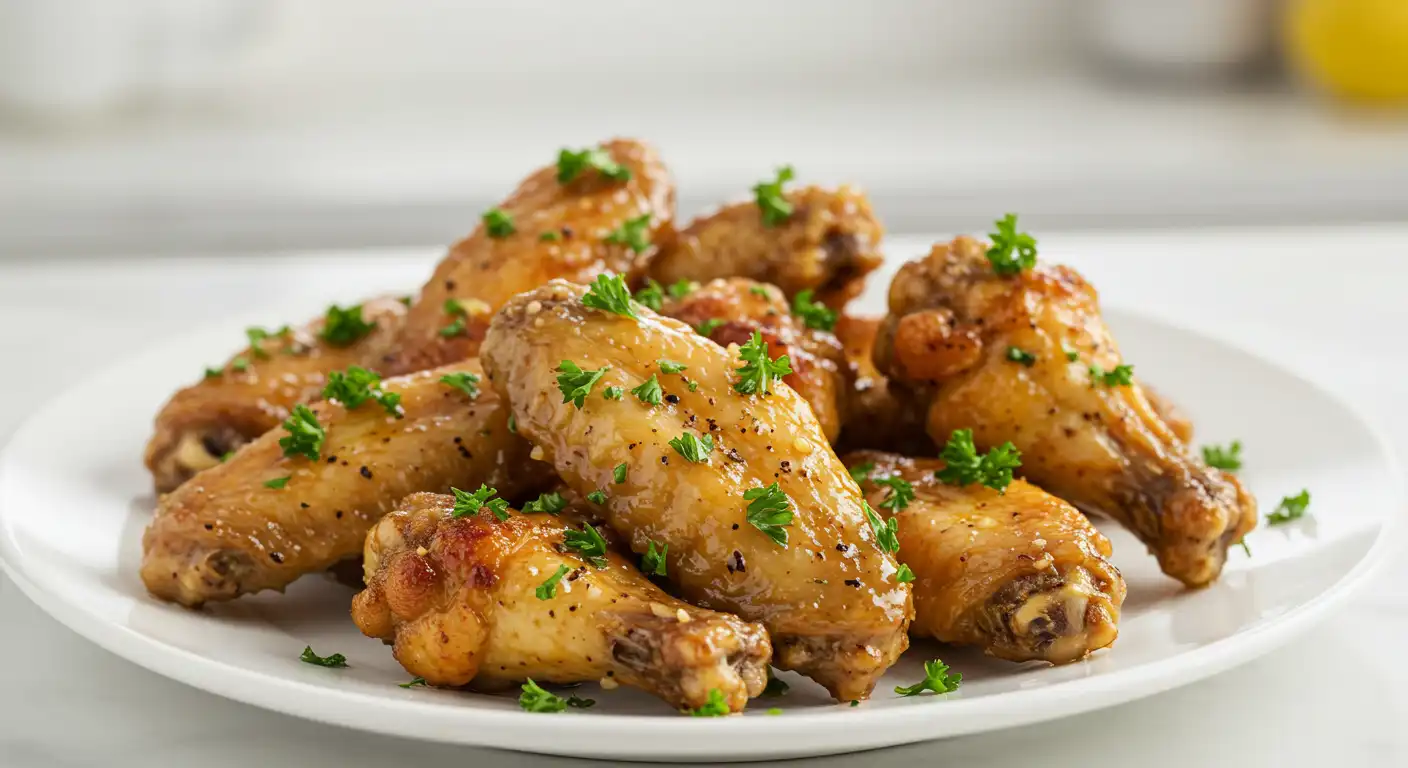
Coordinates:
(1325,302)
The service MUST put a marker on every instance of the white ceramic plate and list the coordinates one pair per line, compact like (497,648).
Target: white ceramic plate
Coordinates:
(74,499)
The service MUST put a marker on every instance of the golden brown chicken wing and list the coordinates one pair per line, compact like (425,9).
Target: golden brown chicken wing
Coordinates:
(828,241)
(605,218)
(1027,358)
(474,600)
(268,515)
(1019,573)
(877,415)
(255,389)
(728,470)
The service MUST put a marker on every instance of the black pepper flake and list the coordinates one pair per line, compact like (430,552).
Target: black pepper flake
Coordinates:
(276,557)
(458,439)
(664,459)
(339,513)
(209,527)
(672,399)
(785,466)
(367,473)
(734,455)
(332,459)
(566,231)
(735,563)
(853,582)
(842,547)
(735,526)
(449,285)
(303,504)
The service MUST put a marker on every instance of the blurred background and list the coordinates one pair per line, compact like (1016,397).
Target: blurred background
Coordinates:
(190,127)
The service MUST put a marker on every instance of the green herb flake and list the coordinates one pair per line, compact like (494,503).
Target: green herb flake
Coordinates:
(1119,376)
(550,502)
(571,164)
(278,483)
(813,314)
(576,383)
(343,327)
(1012,252)
(861,472)
(415,682)
(588,543)
(652,563)
(610,294)
(680,288)
(693,448)
(335,661)
(498,223)
(652,295)
(597,497)
(613,393)
(886,531)
(305,434)
(670,366)
(649,392)
(901,492)
(963,465)
(937,678)
(633,233)
(714,705)
(772,201)
(1229,458)
(619,473)
(707,327)
(358,385)
(1018,355)
(548,589)
(1290,508)
(904,575)
(769,510)
(467,383)
(758,370)
(470,503)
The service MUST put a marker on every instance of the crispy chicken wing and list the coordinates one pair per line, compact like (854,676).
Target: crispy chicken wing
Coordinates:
(759,516)
(960,334)
(262,519)
(737,307)
(255,389)
(877,415)
(574,230)
(829,243)
(1020,574)
(463,601)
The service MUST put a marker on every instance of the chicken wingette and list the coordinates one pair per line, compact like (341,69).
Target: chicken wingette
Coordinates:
(1023,355)
(1017,572)
(467,599)
(704,452)
(598,211)
(273,512)
(254,391)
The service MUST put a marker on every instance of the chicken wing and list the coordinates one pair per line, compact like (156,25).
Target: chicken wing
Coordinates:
(758,516)
(255,389)
(828,243)
(1020,574)
(474,600)
(1027,358)
(877,415)
(734,308)
(591,224)
(263,518)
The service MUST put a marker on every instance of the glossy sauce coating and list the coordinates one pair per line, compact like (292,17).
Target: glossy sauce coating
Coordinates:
(877,414)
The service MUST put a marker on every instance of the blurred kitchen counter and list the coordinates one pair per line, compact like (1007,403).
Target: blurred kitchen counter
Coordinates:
(392,163)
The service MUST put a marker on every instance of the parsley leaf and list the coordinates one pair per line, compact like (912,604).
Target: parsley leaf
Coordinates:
(467,383)
(613,393)
(707,327)
(754,376)
(937,678)
(512,424)
(305,434)
(633,233)
(571,164)
(652,563)
(214,373)
(772,203)
(714,706)
(670,366)
(693,448)
(861,472)
(469,503)
(681,288)
(619,473)
(904,575)
(335,661)
(1229,458)
(548,589)
(597,497)
(454,309)
(815,315)
(611,295)
(588,543)
(901,492)
(498,223)
(1071,354)
(1242,542)
(278,483)
(1119,376)
(535,699)
(342,327)
(1006,240)
(499,508)
(652,295)
(413,682)
(1290,508)
(240,364)
(257,337)
(577,383)
(550,502)
(886,531)
(649,392)
(1019,355)
(775,687)
(549,236)
(769,511)
(963,465)
(357,386)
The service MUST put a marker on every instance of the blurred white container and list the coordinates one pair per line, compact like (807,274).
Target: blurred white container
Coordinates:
(1182,36)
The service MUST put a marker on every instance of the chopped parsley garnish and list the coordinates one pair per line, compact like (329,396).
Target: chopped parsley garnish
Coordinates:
(414,682)
(861,472)
(469,503)
(886,531)
(904,575)
(499,507)
(498,223)
(335,661)
(1005,241)
(342,327)
(1071,354)
(652,563)
(548,589)
(619,473)
(305,434)
(1019,355)
(588,543)
(226,456)
(693,448)
(963,465)
(633,233)
(681,288)
(693,385)
(211,373)
(652,295)
(609,294)
(240,364)
(278,483)
(759,290)
(769,511)
(670,366)
(707,327)
(1290,508)
(714,705)
(597,497)
(407,300)
(357,386)
(901,492)
(772,203)
(577,383)
(937,678)
(649,392)
(1119,376)
(550,236)
(1229,458)
(550,502)
(775,687)
(1242,542)
(613,393)
(774,710)
(571,164)
(535,699)
(467,383)
(257,337)
(512,424)
(814,314)
(758,370)
(454,309)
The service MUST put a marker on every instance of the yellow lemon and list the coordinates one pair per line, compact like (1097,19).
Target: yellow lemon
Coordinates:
(1354,48)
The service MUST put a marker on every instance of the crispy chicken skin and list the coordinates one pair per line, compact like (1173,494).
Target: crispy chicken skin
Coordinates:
(819,370)
(829,244)
(226,534)
(1021,574)
(1103,448)
(876,415)
(218,414)
(829,598)
(481,272)
(457,598)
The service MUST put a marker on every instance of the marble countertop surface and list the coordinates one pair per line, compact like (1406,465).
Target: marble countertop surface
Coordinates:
(1326,302)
